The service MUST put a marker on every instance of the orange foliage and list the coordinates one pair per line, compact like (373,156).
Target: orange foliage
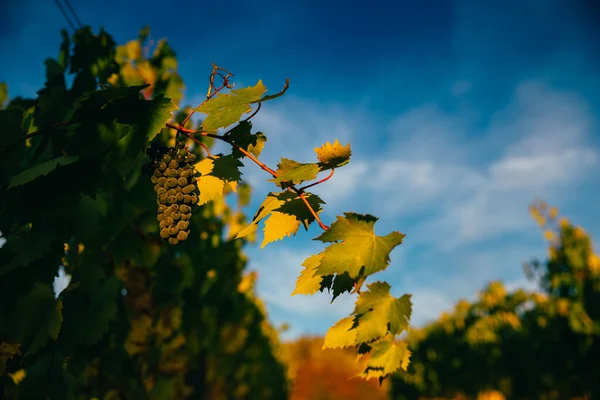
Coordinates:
(327,374)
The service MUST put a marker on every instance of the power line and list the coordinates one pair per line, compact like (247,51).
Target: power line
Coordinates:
(62,10)
(73,12)
(64,13)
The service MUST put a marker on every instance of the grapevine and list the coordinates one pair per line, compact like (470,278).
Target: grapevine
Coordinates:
(164,316)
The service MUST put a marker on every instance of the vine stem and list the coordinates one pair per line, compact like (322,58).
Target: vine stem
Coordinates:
(300,192)
(211,86)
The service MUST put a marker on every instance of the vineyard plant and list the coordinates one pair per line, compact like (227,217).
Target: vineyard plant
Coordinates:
(106,176)
(520,344)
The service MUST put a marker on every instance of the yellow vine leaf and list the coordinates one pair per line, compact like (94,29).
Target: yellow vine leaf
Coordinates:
(309,281)
(377,311)
(278,226)
(210,188)
(333,155)
(340,334)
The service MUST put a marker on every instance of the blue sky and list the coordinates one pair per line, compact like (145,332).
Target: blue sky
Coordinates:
(459,113)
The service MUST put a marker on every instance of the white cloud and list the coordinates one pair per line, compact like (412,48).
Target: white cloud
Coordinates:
(465,190)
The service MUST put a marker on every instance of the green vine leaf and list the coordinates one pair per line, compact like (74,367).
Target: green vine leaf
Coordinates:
(386,357)
(40,170)
(252,142)
(103,305)
(356,246)
(295,172)
(226,109)
(377,311)
(37,242)
(40,318)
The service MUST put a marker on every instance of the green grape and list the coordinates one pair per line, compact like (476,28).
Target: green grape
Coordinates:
(175,188)
(189,189)
(182,225)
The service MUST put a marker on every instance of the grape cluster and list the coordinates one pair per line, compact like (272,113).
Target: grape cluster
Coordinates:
(174,184)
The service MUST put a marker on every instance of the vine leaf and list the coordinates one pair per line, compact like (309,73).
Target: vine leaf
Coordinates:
(294,205)
(226,109)
(333,155)
(377,311)
(295,172)
(356,246)
(216,173)
(341,334)
(386,357)
(342,283)
(40,170)
(309,282)
(269,204)
(251,142)
(293,212)
(37,243)
(103,305)
(40,318)
(278,226)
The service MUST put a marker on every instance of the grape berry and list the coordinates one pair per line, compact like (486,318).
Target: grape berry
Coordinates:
(174,184)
